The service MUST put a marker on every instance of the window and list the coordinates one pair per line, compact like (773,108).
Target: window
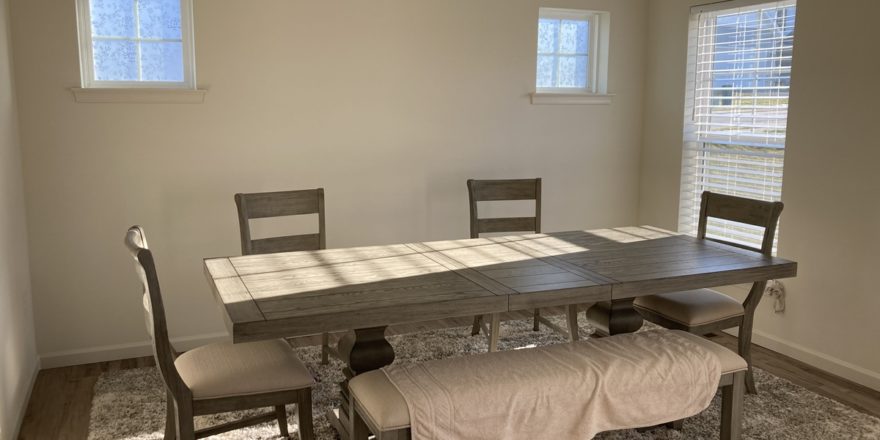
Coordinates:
(736,109)
(136,43)
(572,50)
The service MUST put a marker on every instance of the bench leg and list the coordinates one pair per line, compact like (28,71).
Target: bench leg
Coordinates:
(732,407)
(494,332)
(573,329)
(676,425)
(400,434)
(359,428)
(535,326)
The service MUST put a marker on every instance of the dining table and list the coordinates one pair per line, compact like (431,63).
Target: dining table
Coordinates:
(363,290)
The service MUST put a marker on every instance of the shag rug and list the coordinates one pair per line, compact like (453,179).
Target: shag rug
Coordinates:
(130,404)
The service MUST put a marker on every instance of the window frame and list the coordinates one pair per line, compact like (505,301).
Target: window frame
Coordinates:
(87,61)
(696,151)
(597,52)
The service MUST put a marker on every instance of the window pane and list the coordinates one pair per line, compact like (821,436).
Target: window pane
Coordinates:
(546,68)
(112,18)
(115,60)
(572,71)
(159,19)
(548,31)
(162,61)
(573,37)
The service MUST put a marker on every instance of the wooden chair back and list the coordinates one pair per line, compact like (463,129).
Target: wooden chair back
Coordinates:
(154,309)
(741,210)
(504,190)
(278,204)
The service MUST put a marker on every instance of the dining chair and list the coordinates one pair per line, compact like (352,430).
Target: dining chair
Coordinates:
(220,377)
(704,311)
(510,190)
(279,204)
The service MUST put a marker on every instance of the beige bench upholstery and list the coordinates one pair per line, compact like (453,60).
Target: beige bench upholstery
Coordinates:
(692,307)
(384,410)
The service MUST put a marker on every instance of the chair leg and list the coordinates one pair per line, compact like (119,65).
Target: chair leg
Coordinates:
(359,427)
(732,407)
(478,321)
(304,415)
(325,348)
(535,326)
(573,329)
(281,415)
(183,415)
(745,350)
(494,332)
(170,425)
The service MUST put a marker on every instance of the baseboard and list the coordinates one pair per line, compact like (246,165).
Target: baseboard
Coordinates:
(822,361)
(23,403)
(123,351)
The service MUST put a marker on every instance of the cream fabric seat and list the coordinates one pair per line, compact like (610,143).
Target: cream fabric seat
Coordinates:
(692,307)
(385,407)
(225,369)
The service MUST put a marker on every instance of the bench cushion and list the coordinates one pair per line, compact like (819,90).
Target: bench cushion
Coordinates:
(692,307)
(386,409)
(225,369)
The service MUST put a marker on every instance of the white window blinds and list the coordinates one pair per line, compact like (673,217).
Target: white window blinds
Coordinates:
(736,110)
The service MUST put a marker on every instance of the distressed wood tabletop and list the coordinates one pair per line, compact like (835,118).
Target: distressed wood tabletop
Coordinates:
(300,293)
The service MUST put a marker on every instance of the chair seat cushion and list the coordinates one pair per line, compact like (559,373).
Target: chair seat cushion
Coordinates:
(225,369)
(692,307)
(381,402)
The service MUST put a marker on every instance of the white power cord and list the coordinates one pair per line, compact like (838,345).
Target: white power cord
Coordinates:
(776,290)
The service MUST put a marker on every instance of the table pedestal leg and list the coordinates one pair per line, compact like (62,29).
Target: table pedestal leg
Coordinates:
(362,350)
(617,316)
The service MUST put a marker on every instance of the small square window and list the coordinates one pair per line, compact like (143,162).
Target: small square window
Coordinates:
(136,43)
(571,57)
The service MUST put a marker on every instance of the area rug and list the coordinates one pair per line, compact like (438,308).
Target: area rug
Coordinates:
(130,404)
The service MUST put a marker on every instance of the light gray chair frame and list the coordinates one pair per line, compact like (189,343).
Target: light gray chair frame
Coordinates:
(510,190)
(280,204)
(740,210)
(181,407)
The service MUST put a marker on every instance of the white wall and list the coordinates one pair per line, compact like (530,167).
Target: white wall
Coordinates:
(18,352)
(388,104)
(831,217)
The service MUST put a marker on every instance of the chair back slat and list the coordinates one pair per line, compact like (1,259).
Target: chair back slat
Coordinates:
(510,189)
(504,190)
(506,224)
(279,204)
(154,309)
(286,243)
(740,210)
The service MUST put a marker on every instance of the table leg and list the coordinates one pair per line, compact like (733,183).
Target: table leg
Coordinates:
(614,317)
(362,350)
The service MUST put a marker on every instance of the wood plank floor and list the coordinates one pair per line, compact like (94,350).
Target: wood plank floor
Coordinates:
(61,399)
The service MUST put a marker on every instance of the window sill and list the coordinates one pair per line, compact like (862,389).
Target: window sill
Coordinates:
(570,98)
(136,95)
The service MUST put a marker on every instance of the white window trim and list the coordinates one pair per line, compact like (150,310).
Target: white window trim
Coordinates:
(596,91)
(87,63)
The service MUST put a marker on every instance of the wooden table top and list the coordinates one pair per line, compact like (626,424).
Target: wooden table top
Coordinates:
(301,293)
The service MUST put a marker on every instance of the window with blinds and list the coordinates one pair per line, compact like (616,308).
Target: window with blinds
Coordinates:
(736,109)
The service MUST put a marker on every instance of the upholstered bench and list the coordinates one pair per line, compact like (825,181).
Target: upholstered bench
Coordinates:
(379,408)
